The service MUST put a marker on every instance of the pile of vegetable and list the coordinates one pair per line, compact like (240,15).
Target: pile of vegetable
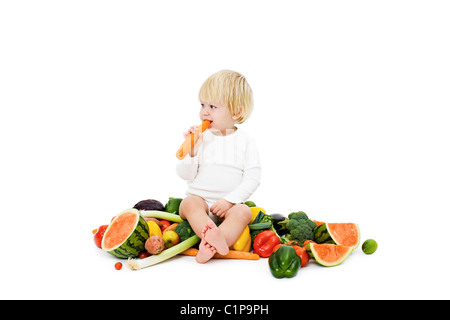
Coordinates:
(150,233)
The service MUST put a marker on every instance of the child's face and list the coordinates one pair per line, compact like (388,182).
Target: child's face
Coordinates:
(221,119)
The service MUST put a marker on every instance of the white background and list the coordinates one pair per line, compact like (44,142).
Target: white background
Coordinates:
(351,118)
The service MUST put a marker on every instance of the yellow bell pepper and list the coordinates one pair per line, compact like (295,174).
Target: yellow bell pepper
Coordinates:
(153,229)
(244,242)
(255,211)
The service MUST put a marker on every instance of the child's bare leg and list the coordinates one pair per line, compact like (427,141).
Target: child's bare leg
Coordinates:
(195,210)
(235,221)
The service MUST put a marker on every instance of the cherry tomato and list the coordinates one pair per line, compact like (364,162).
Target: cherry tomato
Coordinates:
(144,255)
(118,265)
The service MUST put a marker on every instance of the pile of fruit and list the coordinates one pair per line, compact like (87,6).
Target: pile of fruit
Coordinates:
(151,232)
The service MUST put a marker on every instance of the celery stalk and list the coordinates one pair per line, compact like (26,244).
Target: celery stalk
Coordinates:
(161,215)
(137,264)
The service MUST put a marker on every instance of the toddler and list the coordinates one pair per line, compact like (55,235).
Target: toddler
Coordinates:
(223,169)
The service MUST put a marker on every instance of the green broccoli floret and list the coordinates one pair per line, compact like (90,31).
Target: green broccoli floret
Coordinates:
(292,224)
(299,215)
(311,224)
(300,227)
(184,230)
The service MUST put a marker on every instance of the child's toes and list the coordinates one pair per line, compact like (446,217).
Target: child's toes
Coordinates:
(210,225)
(205,228)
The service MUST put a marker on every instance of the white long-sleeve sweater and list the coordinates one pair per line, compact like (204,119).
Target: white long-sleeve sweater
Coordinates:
(225,167)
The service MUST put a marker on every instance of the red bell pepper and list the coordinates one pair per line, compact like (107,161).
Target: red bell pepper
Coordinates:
(265,242)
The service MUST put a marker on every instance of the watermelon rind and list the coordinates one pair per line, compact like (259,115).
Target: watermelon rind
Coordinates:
(322,235)
(135,243)
(312,251)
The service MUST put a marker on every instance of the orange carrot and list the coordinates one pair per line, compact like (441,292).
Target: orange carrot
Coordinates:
(188,144)
(232,254)
(190,252)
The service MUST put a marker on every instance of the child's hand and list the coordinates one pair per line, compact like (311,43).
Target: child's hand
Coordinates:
(198,141)
(190,130)
(221,207)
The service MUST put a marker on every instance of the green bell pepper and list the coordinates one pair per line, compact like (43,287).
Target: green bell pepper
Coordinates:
(284,262)
(173,205)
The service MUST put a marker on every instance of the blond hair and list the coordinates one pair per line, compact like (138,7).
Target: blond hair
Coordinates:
(231,89)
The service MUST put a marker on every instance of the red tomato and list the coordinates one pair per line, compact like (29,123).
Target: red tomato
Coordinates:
(144,255)
(165,224)
(98,236)
(301,252)
(306,242)
(118,265)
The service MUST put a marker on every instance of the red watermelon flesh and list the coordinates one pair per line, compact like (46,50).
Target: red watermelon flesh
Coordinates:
(328,255)
(344,234)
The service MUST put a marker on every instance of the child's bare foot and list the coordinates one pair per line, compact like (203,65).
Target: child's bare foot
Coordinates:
(205,252)
(214,237)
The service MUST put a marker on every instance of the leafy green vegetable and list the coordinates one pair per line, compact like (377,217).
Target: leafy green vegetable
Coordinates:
(258,217)
(184,230)
(265,222)
(267,218)
(300,227)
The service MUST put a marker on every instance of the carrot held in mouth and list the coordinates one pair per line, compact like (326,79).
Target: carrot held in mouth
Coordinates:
(188,144)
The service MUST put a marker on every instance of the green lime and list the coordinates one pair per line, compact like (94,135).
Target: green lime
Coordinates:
(250,204)
(369,246)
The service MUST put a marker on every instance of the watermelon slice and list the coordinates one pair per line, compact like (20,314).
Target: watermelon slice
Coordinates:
(344,234)
(126,235)
(328,255)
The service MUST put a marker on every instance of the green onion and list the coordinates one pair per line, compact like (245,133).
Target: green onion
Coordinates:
(137,264)
(161,215)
